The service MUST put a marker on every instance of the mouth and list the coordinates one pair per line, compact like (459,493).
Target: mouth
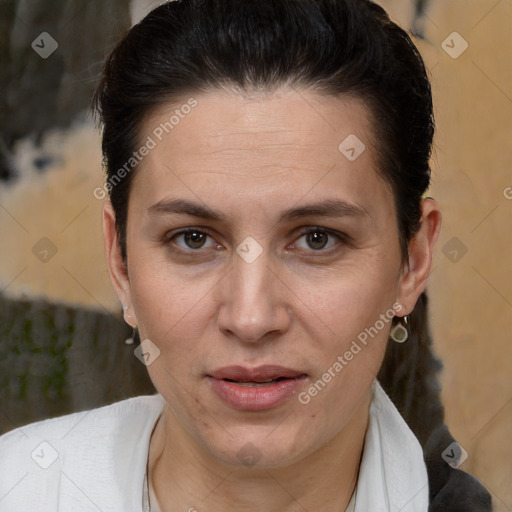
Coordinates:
(256,383)
(255,389)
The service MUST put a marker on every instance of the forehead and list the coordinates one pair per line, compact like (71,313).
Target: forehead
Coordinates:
(282,144)
(224,118)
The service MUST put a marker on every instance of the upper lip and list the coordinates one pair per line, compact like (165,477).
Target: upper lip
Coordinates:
(259,373)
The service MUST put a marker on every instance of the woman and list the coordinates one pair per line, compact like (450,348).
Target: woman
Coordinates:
(267,233)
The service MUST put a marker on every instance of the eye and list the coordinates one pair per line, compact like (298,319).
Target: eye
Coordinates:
(193,239)
(318,239)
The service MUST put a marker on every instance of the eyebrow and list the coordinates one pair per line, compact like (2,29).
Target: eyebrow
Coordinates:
(327,208)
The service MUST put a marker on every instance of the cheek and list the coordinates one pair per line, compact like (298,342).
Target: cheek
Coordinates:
(166,298)
(346,362)
(171,314)
(347,347)
(344,302)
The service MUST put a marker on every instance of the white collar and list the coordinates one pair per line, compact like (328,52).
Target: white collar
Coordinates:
(392,476)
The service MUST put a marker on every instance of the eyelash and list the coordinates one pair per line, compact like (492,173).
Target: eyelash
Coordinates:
(341,237)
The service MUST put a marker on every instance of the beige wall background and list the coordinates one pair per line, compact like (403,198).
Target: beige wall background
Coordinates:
(471,281)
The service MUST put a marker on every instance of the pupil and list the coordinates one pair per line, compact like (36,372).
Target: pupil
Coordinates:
(316,238)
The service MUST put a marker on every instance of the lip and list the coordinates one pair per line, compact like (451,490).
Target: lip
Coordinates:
(259,397)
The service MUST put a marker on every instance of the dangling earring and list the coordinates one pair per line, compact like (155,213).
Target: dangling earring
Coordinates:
(400,331)
(129,341)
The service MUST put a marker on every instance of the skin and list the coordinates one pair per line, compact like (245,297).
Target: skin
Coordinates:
(300,304)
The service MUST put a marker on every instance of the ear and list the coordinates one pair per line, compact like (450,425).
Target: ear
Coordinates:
(414,275)
(116,266)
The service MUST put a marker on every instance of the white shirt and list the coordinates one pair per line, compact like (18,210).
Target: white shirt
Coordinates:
(96,461)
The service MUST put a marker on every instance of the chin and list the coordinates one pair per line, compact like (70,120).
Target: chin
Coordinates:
(259,449)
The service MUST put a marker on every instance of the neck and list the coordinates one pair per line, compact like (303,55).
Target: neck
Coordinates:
(185,475)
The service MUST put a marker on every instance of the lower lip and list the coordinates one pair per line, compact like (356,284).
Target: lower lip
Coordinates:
(256,398)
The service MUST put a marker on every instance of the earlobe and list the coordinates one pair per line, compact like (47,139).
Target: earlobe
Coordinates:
(115,263)
(421,249)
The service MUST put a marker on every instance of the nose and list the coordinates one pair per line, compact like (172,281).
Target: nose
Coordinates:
(255,303)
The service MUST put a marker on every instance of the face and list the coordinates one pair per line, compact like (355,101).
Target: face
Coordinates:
(260,249)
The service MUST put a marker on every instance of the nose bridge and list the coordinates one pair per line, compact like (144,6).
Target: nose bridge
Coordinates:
(251,287)
(252,306)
